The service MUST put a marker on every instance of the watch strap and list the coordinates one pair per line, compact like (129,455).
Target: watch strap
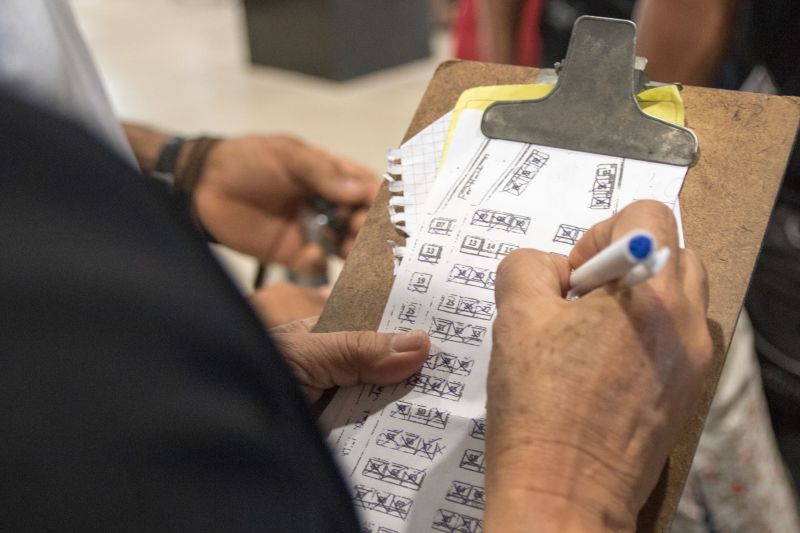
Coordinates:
(168,159)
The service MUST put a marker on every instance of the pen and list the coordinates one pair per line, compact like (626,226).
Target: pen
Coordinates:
(631,259)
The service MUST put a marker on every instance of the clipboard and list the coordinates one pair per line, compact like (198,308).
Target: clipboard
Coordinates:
(727,199)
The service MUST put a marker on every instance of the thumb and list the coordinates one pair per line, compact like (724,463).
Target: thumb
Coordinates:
(526,276)
(324,360)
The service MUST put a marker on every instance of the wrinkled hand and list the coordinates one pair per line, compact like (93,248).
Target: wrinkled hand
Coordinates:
(253,190)
(324,360)
(588,397)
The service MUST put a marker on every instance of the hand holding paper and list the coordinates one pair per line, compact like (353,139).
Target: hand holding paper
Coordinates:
(346,358)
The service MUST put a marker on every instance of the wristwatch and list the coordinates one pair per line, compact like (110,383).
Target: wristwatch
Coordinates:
(168,159)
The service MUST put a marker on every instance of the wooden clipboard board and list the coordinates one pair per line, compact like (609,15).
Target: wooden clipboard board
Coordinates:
(745,140)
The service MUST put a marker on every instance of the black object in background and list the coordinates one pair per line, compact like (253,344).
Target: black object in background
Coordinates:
(139,390)
(337,39)
(771,37)
(558,17)
(773,302)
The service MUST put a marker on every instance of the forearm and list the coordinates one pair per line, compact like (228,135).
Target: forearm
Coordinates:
(147,143)
(496,21)
(684,40)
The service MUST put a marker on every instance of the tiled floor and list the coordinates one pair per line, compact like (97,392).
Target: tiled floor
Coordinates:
(182,64)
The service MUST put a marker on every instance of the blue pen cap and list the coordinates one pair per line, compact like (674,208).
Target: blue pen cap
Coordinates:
(640,247)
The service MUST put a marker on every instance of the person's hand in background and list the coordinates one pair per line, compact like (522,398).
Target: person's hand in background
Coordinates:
(324,360)
(253,191)
(587,398)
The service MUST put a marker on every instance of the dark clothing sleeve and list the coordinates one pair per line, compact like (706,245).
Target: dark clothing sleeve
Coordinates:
(139,391)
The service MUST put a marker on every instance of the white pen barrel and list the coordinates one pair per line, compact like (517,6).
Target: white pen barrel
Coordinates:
(611,263)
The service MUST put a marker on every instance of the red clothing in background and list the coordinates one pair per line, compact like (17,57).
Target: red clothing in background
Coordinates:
(528,49)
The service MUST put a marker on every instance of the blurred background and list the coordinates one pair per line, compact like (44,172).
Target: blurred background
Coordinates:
(185,65)
(343,74)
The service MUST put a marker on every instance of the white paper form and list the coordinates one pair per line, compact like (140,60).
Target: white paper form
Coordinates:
(414,452)
(421,155)
(419,161)
(545,181)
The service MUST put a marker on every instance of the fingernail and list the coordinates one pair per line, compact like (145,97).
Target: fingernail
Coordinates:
(407,342)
